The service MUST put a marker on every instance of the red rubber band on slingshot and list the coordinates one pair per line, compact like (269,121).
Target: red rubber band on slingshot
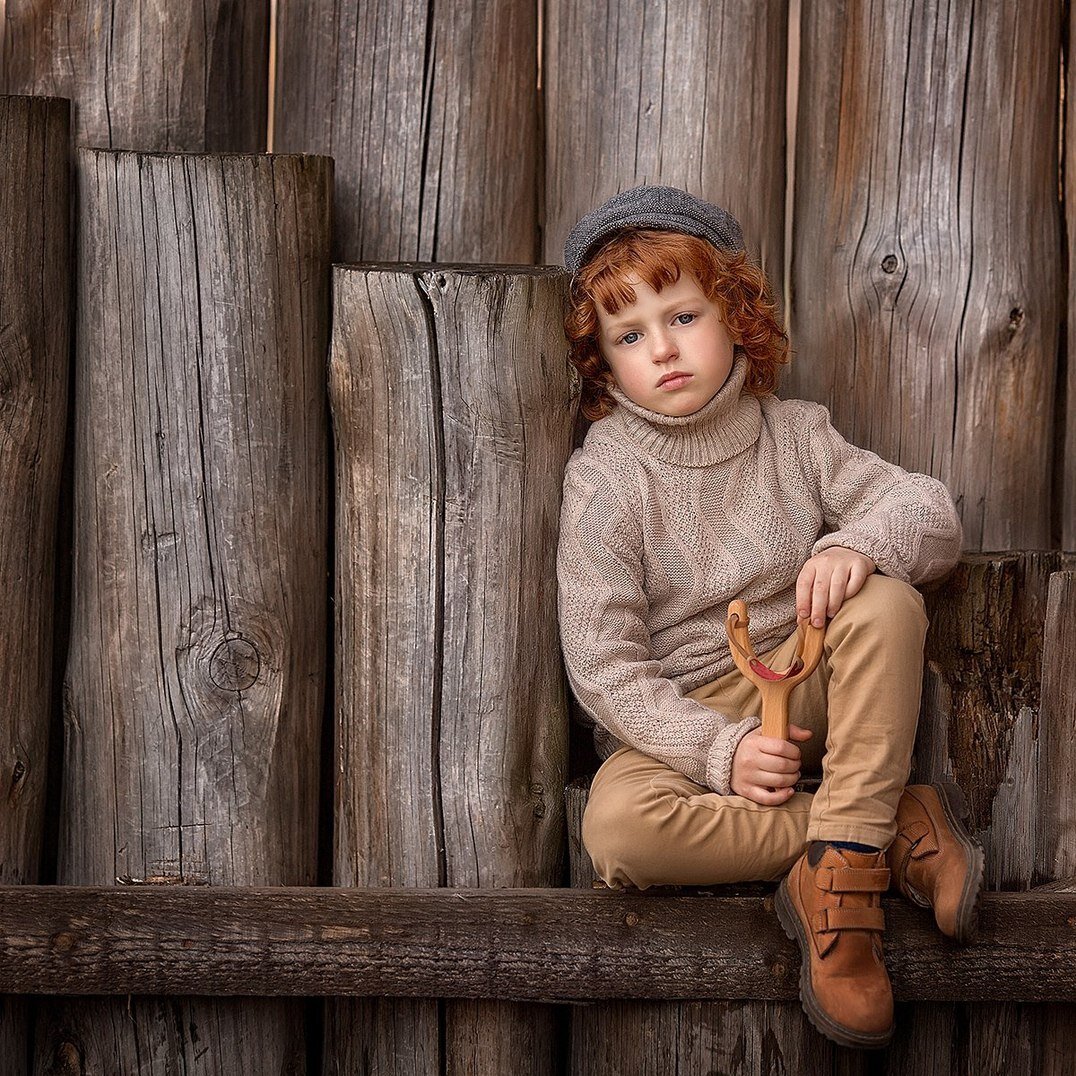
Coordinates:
(769,674)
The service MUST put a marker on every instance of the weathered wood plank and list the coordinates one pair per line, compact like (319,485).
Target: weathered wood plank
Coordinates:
(679,93)
(194,693)
(35,339)
(521,944)
(145,75)
(1065,437)
(450,399)
(1055,834)
(980,721)
(926,262)
(431,114)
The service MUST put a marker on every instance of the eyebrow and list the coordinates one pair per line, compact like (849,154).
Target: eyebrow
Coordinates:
(617,325)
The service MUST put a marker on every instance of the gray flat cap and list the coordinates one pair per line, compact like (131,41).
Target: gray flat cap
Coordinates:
(667,208)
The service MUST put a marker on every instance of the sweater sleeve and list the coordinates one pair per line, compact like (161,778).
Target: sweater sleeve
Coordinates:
(904,521)
(602,609)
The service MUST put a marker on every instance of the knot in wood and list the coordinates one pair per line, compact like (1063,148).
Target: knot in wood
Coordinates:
(234,665)
(1016,318)
(890,263)
(63,942)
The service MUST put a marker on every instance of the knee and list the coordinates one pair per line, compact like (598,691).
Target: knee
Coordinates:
(603,831)
(888,603)
(612,834)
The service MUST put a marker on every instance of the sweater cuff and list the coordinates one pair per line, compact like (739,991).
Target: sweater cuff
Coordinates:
(861,543)
(719,758)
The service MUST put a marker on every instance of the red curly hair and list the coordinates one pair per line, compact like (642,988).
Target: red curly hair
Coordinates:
(740,289)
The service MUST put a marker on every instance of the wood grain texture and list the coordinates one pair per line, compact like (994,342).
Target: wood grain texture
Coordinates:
(195,683)
(35,337)
(525,944)
(926,264)
(145,75)
(430,111)
(1053,1027)
(1065,440)
(673,92)
(450,398)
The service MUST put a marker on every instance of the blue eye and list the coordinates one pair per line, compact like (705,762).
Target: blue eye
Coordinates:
(679,316)
(624,339)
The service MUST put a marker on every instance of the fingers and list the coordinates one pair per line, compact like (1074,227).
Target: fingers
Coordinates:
(765,796)
(771,745)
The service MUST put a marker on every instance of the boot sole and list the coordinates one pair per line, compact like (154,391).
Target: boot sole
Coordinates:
(838,1033)
(956,811)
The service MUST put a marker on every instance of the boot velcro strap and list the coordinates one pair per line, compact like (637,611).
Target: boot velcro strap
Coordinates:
(830,919)
(853,879)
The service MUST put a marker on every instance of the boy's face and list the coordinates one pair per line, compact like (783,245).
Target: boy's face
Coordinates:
(675,330)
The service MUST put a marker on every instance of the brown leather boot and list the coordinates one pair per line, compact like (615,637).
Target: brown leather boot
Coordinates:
(933,859)
(832,907)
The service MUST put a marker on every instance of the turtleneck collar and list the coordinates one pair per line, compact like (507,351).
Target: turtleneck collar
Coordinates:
(721,428)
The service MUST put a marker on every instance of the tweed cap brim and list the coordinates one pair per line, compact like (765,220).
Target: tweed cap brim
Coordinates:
(666,208)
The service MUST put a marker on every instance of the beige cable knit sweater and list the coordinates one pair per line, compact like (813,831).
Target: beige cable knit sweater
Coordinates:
(666,519)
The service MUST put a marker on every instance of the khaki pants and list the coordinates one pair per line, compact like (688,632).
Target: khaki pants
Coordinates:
(648,824)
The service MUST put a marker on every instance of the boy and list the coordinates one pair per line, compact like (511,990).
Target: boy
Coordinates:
(697,485)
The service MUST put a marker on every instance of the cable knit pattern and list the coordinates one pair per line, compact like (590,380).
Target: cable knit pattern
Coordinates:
(666,519)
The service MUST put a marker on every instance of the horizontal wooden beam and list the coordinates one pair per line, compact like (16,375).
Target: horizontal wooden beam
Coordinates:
(555,945)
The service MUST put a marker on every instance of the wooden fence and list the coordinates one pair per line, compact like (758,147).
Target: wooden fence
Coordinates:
(307,635)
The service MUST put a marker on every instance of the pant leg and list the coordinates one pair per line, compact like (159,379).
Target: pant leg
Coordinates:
(647,824)
(871,676)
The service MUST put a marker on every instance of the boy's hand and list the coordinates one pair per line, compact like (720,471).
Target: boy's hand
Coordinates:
(764,768)
(827,579)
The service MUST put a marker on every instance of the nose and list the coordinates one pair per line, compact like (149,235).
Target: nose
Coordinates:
(664,347)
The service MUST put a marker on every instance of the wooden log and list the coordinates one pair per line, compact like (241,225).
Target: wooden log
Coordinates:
(523,944)
(1065,438)
(35,338)
(928,279)
(452,416)
(145,75)
(646,96)
(431,114)
(195,683)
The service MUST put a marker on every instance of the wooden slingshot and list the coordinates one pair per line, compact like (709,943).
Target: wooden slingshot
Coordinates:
(775,686)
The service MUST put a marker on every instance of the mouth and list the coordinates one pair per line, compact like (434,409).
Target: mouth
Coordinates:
(674,380)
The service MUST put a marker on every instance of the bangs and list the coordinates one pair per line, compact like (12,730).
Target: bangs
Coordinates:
(655,257)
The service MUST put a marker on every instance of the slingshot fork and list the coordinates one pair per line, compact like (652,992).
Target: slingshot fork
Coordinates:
(775,686)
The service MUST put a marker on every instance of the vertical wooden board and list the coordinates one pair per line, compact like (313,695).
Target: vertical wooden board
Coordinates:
(1055,854)
(1065,439)
(503,735)
(431,114)
(145,75)
(506,418)
(194,691)
(451,410)
(926,261)
(389,509)
(35,334)
(674,92)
